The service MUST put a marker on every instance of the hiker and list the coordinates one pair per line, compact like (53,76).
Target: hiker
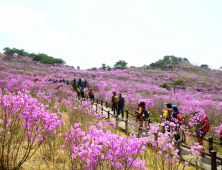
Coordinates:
(82,92)
(78,91)
(80,82)
(63,80)
(67,82)
(168,114)
(114,102)
(143,114)
(179,121)
(91,94)
(120,105)
(203,127)
(60,81)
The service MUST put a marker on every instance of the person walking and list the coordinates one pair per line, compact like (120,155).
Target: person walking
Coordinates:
(82,91)
(179,121)
(91,94)
(120,105)
(114,102)
(78,91)
(168,113)
(202,128)
(143,113)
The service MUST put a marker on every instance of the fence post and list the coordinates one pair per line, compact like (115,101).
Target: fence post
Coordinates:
(97,100)
(96,107)
(108,115)
(213,160)
(127,115)
(210,140)
(102,110)
(106,103)
(101,102)
(138,135)
(178,147)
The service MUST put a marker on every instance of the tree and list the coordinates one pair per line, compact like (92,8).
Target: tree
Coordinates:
(120,64)
(9,51)
(59,61)
(204,65)
(220,68)
(177,83)
(78,67)
(104,66)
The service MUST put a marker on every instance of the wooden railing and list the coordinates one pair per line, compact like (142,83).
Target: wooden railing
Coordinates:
(212,153)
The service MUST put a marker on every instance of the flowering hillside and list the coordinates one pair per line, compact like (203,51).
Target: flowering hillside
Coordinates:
(43,126)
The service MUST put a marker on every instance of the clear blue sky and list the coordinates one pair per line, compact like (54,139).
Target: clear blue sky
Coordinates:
(89,33)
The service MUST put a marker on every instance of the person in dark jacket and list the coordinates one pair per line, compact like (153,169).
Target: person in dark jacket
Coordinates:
(120,105)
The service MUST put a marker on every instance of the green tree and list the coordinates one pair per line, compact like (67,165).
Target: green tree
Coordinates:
(59,61)
(177,83)
(204,65)
(10,52)
(120,64)
(104,66)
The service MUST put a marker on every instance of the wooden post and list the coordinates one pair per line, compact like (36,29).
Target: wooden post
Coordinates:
(101,102)
(211,147)
(127,115)
(213,160)
(106,104)
(96,107)
(126,126)
(138,135)
(108,115)
(178,147)
(97,100)
(102,110)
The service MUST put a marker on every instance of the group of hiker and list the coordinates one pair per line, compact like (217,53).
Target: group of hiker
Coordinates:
(142,114)
(81,92)
(118,104)
(172,114)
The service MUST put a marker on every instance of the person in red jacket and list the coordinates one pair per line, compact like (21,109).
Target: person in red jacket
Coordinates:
(203,127)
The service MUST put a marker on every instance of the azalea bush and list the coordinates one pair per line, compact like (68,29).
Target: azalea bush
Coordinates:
(24,125)
(40,119)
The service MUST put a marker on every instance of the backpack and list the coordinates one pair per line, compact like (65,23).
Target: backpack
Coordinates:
(207,125)
(170,112)
(82,90)
(145,112)
(91,93)
(78,90)
(115,99)
(180,118)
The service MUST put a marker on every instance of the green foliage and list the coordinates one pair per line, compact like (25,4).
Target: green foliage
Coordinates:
(145,66)
(43,58)
(178,82)
(204,65)
(120,64)
(168,62)
(164,85)
(104,67)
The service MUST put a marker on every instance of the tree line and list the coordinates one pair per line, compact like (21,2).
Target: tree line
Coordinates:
(43,58)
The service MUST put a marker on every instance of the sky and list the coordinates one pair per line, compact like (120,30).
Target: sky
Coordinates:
(91,32)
